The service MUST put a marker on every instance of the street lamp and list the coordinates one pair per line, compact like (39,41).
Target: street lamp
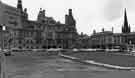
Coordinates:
(2,57)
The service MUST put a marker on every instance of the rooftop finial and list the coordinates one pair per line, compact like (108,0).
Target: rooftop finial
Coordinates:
(103,29)
(40,9)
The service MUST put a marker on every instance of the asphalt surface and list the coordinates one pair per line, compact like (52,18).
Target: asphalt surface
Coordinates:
(57,67)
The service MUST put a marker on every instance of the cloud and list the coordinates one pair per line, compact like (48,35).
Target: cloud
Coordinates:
(113,10)
(89,14)
(130,4)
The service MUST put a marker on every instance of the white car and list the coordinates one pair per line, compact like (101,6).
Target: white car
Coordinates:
(75,49)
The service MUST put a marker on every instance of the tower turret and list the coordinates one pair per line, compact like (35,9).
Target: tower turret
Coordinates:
(66,19)
(41,15)
(69,19)
(70,12)
(25,14)
(125,19)
(19,5)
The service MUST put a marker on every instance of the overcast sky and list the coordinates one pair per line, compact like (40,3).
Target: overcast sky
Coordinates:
(89,14)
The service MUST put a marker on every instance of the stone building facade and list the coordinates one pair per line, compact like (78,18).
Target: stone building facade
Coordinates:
(4,38)
(45,32)
(107,39)
(56,34)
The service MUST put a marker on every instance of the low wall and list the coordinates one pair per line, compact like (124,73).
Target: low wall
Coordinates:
(30,53)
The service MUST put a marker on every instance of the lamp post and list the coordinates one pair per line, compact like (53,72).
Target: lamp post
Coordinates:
(2,57)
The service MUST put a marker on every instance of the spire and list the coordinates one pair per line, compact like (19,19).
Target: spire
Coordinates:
(125,19)
(19,5)
(126,27)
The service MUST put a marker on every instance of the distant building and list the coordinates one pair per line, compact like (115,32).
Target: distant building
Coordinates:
(108,39)
(82,41)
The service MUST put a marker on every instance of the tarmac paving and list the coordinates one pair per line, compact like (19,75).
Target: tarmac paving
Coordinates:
(57,67)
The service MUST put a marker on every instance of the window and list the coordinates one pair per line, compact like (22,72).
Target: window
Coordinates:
(27,41)
(31,47)
(50,34)
(20,42)
(24,45)
(31,42)
(27,47)
(20,47)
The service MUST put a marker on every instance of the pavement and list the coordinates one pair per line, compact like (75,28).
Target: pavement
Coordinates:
(106,58)
(97,63)
(57,67)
